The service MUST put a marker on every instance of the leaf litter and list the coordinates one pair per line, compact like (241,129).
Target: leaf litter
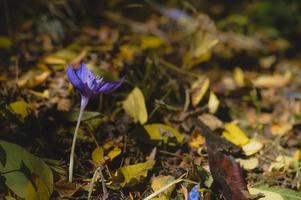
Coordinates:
(210,108)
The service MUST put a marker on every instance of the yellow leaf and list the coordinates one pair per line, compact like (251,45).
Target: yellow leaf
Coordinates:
(199,89)
(252,147)
(281,162)
(248,164)
(134,105)
(280,128)
(161,181)
(197,139)
(151,42)
(132,174)
(44,94)
(127,52)
(21,108)
(234,134)
(297,155)
(268,194)
(211,121)
(53,60)
(98,155)
(213,103)
(33,78)
(272,81)
(5,42)
(114,153)
(164,133)
(239,77)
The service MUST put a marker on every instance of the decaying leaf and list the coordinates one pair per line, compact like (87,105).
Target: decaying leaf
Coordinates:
(248,164)
(211,121)
(98,155)
(199,89)
(280,128)
(234,134)
(132,174)
(281,162)
(134,105)
(213,103)
(151,42)
(161,181)
(239,77)
(252,147)
(33,78)
(197,139)
(274,81)
(21,108)
(162,132)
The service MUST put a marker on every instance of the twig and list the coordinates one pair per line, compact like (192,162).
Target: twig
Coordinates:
(104,189)
(165,188)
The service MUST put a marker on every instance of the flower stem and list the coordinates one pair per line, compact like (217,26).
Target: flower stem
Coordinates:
(84,101)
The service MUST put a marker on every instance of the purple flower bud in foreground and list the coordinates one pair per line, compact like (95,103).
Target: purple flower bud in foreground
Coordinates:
(194,193)
(88,84)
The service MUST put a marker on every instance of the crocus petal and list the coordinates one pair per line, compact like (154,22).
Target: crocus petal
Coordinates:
(74,79)
(84,73)
(111,86)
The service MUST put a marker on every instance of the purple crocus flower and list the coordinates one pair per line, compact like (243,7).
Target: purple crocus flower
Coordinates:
(89,86)
(194,193)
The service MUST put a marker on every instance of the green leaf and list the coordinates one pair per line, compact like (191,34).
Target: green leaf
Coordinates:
(165,133)
(35,183)
(132,174)
(286,194)
(73,115)
(134,105)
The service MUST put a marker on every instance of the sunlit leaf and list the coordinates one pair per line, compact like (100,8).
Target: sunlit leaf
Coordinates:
(239,77)
(252,147)
(234,134)
(98,155)
(162,132)
(151,42)
(213,103)
(248,164)
(199,89)
(161,181)
(268,194)
(133,174)
(134,105)
(21,108)
(33,78)
(114,153)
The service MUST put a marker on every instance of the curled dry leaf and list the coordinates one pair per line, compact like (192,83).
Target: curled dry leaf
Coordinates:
(198,90)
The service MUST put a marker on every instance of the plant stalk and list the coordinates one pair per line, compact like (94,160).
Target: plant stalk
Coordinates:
(84,101)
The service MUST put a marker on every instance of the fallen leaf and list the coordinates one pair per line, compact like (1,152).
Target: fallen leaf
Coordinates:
(248,164)
(33,78)
(34,180)
(199,89)
(211,121)
(281,162)
(114,153)
(284,193)
(268,195)
(162,132)
(5,42)
(297,155)
(252,147)
(280,128)
(197,139)
(213,103)
(151,42)
(134,105)
(234,134)
(44,94)
(133,174)
(160,181)
(98,155)
(239,77)
(65,189)
(272,81)
(21,108)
